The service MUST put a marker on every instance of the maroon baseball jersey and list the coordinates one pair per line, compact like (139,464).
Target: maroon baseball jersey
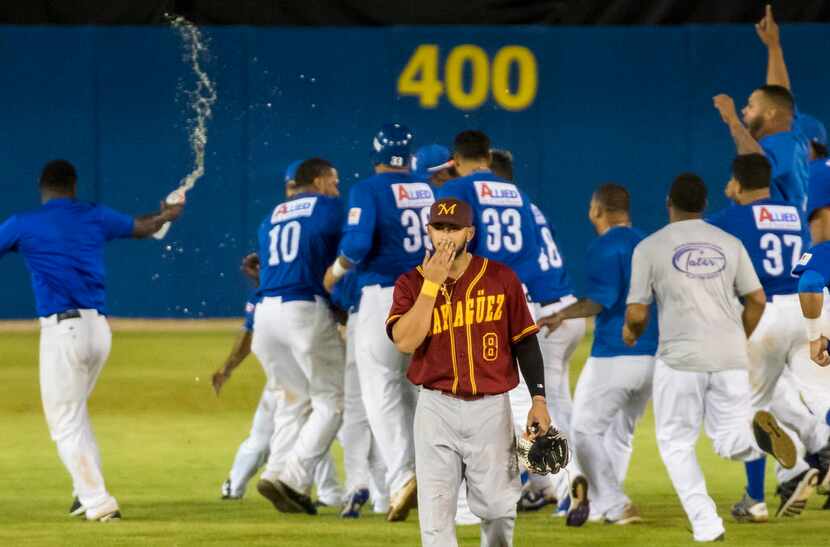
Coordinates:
(475,321)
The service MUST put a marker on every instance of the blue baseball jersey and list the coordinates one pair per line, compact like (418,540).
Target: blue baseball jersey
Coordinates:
(250,309)
(819,188)
(787,153)
(774,233)
(297,242)
(817,259)
(62,244)
(385,233)
(344,294)
(550,281)
(609,276)
(506,228)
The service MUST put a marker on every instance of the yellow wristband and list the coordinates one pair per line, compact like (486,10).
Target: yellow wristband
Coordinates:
(430,288)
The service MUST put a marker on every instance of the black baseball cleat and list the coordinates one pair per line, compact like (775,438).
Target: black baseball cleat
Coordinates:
(76,509)
(773,440)
(580,506)
(795,493)
(284,498)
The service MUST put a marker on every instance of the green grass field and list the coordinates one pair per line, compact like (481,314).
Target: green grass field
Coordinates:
(168,442)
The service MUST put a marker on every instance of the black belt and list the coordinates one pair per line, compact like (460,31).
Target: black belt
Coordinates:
(549,302)
(68,314)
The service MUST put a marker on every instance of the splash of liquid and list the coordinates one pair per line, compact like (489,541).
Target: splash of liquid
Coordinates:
(202,98)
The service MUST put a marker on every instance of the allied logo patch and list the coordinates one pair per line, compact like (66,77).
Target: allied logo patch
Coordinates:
(498,193)
(412,194)
(776,217)
(295,208)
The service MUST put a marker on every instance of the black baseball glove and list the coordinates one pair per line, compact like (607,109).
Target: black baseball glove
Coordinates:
(548,453)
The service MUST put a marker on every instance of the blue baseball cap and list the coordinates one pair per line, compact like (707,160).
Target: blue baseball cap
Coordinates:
(291,170)
(430,159)
(391,145)
(812,129)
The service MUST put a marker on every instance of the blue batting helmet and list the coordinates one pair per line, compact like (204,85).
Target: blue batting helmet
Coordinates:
(391,145)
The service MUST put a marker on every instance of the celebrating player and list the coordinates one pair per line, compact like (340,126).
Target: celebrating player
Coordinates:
(773,233)
(767,126)
(254,450)
(615,385)
(296,338)
(695,270)
(63,245)
(466,320)
(384,236)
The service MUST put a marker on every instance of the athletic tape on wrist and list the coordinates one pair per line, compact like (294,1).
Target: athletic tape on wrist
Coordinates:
(337,269)
(813,328)
(430,288)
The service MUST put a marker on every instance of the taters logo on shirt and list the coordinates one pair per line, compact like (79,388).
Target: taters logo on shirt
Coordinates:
(354,216)
(776,217)
(498,193)
(295,208)
(699,260)
(412,194)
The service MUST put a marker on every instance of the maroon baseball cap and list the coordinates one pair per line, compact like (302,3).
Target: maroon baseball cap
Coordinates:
(451,211)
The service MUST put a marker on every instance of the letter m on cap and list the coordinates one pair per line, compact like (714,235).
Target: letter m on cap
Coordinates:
(444,209)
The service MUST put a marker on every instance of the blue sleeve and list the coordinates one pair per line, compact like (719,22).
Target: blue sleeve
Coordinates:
(250,308)
(811,281)
(360,224)
(780,155)
(9,235)
(605,283)
(115,225)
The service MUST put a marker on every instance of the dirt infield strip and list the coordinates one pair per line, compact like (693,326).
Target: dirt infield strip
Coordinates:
(127,325)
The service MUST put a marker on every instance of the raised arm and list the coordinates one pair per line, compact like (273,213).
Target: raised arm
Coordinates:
(744,142)
(770,36)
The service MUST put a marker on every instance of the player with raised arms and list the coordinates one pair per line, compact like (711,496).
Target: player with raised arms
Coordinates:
(466,321)
(63,243)
(384,236)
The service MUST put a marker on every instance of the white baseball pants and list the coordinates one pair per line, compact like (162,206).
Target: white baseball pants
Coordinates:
(611,396)
(254,451)
(299,348)
(475,440)
(388,396)
(72,355)
(361,453)
(682,401)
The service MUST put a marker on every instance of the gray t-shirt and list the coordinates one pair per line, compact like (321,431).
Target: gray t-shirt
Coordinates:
(695,271)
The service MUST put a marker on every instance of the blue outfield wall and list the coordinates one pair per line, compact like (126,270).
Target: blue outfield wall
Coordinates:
(577,106)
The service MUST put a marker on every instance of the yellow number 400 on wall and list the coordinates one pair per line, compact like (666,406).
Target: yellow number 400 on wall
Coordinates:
(420,77)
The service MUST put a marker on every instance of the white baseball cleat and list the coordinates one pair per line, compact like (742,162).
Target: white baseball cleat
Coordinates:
(107,512)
